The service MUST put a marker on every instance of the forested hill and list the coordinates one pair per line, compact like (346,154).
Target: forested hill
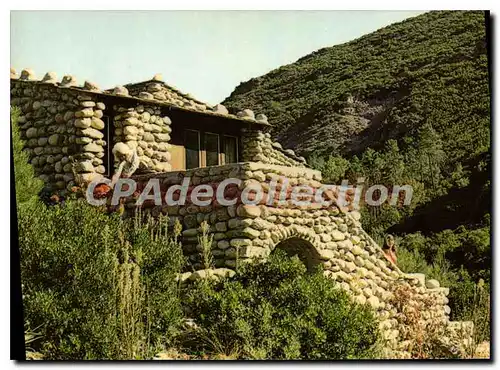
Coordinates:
(431,68)
(407,104)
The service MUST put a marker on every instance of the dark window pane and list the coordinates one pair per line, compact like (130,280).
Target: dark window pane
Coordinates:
(230,149)
(212,149)
(192,149)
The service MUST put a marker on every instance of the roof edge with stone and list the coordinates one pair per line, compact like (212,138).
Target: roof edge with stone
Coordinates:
(69,82)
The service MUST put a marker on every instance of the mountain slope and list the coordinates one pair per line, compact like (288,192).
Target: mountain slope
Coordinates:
(387,84)
(407,104)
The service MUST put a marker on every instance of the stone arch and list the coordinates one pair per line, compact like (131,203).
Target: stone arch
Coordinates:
(301,247)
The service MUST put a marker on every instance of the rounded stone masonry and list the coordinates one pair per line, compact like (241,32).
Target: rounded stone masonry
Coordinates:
(91,86)
(68,81)
(61,131)
(246,114)
(50,77)
(120,90)
(219,108)
(144,129)
(27,74)
(63,134)
(319,235)
(258,147)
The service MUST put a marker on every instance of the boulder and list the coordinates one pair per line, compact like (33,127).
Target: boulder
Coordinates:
(374,302)
(120,90)
(158,77)
(432,284)
(245,210)
(337,235)
(53,139)
(146,95)
(27,74)
(93,148)
(261,118)
(68,81)
(50,77)
(91,86)
(85,166)
(92,133)
(246,113)
(97,123)
(220,109)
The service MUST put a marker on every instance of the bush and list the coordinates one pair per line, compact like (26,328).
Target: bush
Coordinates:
(27,185)
(94,286)
(470,301)
(276,310)
(160,258)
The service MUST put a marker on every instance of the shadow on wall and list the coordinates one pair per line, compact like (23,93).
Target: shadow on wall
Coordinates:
(306,252)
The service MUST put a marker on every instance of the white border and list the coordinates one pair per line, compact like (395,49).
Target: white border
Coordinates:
(185,5)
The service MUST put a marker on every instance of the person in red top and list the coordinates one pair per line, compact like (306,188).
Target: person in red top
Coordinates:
(389,249)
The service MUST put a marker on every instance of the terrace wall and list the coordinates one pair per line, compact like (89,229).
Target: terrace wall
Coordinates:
(328,236)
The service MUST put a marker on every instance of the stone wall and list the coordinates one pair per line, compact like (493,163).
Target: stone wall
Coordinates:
(146,130)
(158,90)
(62,129)
(328,236)
(258,147)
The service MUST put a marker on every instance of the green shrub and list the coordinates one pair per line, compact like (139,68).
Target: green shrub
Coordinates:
(160,258)
(97,286)
(94,286)
(276,310)
(27,185)
(412,261)
(68,269)
(470,301)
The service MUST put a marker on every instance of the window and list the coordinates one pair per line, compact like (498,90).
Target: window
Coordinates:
(192,143)
(231,149)
(205,149)
(211,149)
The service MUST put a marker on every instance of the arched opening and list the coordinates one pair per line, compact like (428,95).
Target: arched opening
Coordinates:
(303,249)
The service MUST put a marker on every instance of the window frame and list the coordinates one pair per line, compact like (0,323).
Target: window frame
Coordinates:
(237,147)
(200,153)
(204,149)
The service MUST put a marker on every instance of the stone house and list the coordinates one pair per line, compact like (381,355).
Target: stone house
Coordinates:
(169,129)
(69,131)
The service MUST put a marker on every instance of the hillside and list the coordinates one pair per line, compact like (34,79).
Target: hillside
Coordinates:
(407,104)
(345,98)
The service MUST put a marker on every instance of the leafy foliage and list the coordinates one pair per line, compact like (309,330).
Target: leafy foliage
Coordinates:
(407,104)
(428,69)
(469,297)
(276,310)
(27,185)
(96,291)
(94,286)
